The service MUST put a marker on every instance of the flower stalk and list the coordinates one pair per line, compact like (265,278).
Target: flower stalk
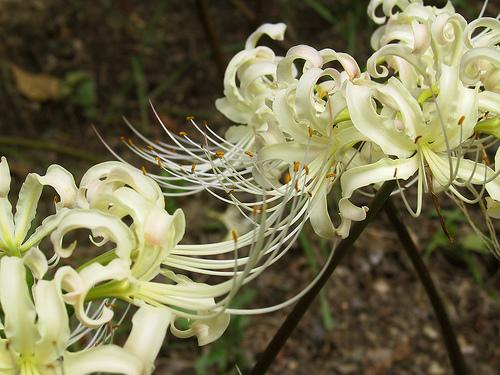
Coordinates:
(341,250)
(450,339)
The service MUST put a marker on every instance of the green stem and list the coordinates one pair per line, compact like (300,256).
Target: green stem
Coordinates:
(54,147)
(305,302)
(456,358)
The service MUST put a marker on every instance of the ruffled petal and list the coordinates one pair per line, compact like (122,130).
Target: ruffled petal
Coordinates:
(109,226)
(378,128)
(275,31)
(63,183)
(381,171)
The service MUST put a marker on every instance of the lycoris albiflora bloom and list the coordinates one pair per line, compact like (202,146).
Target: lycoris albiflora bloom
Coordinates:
(423,120)
(36,332)
(14,229)
(249,84)
(140,269)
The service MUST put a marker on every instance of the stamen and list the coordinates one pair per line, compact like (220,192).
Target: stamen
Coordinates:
(219,154)
(190,118)
(130,142)
(395,172)
(296,165)
(234,235)
(122,138)
(249,153)
(461,120)
(330,175)
(306,168)
(183,134)
(418,137)
(150,148)
(56,199)
(193,167)
(158,161)
(286,178)
(310,131)
(143,169)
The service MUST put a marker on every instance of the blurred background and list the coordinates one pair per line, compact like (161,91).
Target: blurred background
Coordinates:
(68,65)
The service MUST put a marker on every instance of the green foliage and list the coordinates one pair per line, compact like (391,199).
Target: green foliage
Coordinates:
(465,248)
(81,90)
(226,353)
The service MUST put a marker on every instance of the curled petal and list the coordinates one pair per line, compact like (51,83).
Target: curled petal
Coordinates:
(484,39)
(36,261)
(489,102)
(381,171)
(472,63)
(378,128)
(113,175)
(63,183)
(347,62)
(274,31)
(77,285)
(112,227)
(312,57)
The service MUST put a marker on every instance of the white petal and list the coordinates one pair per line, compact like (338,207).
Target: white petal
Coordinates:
(381,171)
(17,306)
(106,358)
(63,183)
(77,286)
(274,31)
(4,177)
(47,226)
(377,128)
(26,206)
(111,226)
(149,327)
(52,322)
(36,261)
(489,102)
(119,174)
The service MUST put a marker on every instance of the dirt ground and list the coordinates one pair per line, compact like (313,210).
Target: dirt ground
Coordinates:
(66,66)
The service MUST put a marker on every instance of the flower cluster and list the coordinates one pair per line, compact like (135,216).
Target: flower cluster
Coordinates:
(425,112)
(124,212)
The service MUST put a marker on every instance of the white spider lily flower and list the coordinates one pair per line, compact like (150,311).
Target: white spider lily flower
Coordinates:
(249,82)
(311,112)
(112,191)
(36,332)
(420,136)
(14,228)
